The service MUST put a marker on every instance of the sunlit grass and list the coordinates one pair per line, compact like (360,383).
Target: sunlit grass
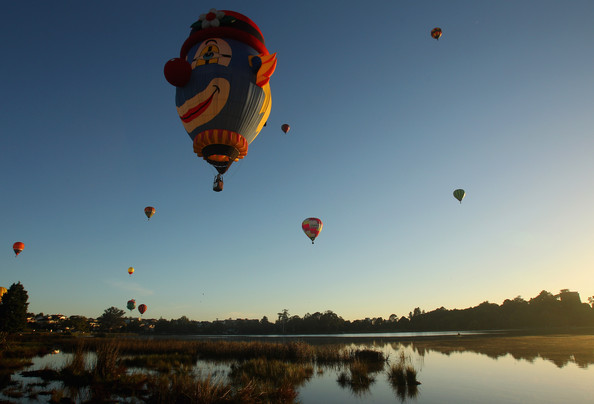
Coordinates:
(274,372)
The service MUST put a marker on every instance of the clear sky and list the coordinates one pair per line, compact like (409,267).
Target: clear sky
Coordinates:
(385,123)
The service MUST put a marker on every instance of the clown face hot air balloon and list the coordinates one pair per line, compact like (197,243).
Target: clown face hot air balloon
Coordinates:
(142,308)
(131,305)
(149,211)
(18,247)
(459,194)
(312,227)
(222,95)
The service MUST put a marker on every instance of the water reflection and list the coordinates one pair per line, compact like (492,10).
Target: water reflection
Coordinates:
(454,369)
(560,350)
(403,391)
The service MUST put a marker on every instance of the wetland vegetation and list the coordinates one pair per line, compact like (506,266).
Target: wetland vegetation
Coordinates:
(112,368)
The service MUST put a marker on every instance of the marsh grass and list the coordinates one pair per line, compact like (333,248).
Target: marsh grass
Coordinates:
(410,375)
(262,371)
(330,354)
(403,373)
(358,377)
(180,388)
(163,363)
(396,375)
(292,351)
(106,364)
(273,372)
(77,364)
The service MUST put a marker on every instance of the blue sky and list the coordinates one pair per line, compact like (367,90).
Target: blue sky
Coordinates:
(385,123)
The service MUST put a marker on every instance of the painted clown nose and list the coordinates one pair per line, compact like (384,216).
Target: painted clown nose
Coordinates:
(222,90)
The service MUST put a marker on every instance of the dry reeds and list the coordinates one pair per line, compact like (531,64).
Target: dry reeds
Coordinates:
(402,375)
(274,372)
(106,363)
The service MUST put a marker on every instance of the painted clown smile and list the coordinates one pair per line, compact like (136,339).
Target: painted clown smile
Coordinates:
(200,108)
(205,105)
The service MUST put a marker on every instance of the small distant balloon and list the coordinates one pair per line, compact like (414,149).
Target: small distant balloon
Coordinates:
(312,226)
(459,194)
(131,270)
(131,305)
(436,33)
(18,247)
(285,128)
(142,308)
(149,211)
(3,290)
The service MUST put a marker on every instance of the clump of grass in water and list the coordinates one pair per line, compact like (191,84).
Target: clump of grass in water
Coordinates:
(77,364)
(161,362)
(106,364)
(274,372)
(358,378)
(400,375)
(396,375)
(185,388)
(411,376)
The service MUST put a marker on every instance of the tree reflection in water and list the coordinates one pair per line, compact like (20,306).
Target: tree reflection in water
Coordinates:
(558,349)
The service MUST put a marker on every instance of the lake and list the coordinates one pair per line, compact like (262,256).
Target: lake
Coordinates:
(465,368)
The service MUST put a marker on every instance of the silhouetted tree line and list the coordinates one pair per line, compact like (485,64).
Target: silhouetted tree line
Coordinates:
(543,311)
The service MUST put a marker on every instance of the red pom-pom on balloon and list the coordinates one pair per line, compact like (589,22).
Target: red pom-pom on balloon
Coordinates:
(177,72)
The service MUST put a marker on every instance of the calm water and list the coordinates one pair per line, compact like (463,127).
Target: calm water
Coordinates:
(464,369)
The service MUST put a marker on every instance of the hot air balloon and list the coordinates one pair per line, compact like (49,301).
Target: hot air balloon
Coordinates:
(222,87)
(285,128)
(436,33)
(131,305)
(312,226)
(2,292)
(18,247)
(142,309)
(130,270)
(459,194)
(149,211)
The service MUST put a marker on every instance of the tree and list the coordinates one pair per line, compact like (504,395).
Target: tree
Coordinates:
(283,318)
(78,323)
(13,309)
(112,318)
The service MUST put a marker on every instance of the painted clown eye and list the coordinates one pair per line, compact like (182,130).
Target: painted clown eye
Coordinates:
(212,52)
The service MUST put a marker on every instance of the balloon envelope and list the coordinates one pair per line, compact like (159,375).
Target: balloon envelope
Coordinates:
(131,305)
(222,79)
(312,226)
(18,247)
(285,128)
(459,194)
(149,211)
(436,33)
(142,308)
(130,270)
(2,291)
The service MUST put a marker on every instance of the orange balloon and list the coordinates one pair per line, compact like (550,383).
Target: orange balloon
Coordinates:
(149,211)
(18,247)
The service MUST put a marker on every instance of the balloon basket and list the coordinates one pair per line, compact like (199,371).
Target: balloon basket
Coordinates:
(217,185)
